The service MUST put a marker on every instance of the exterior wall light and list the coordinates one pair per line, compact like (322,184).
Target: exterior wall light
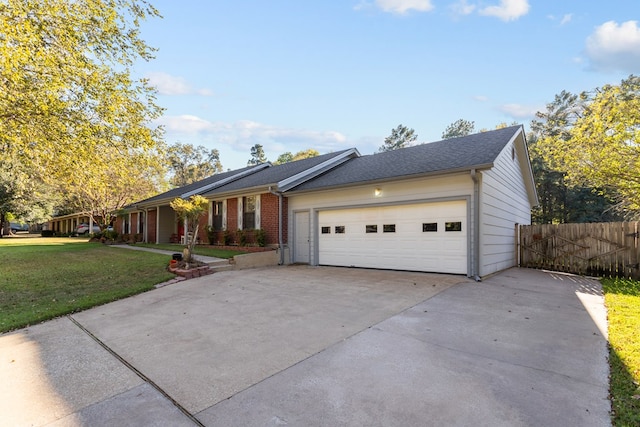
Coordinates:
(377,192)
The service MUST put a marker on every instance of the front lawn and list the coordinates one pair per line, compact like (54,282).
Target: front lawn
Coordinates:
(43,278)
(622,298)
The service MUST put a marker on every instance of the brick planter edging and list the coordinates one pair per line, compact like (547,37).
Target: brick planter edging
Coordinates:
(192,272)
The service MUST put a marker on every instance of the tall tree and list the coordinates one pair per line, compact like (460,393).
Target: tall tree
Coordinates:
(302,154)
(400,137)
(188,164)
(562,200)
(66,86)
(257,155)
(601,149)
(459,128)
(115,181)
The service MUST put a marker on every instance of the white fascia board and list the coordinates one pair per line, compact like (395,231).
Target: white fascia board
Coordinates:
(225,181)
(303,176)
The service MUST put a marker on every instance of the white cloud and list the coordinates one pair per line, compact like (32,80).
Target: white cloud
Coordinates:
(519,111)
(462,8)
(615,47)
(566,19)
(508,10)
(243,134)
(401,7)
(174,85)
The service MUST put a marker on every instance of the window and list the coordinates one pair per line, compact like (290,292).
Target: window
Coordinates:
(249,212)
(372,228)
(326,230)
(141,222)
(428,227)
(389,228)
(217,216)
(453,226)
(339,229)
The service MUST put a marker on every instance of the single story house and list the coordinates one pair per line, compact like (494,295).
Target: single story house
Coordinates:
(450,206)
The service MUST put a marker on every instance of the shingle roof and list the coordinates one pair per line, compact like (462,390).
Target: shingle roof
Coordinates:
(473,151)
(274,174)
(176,192)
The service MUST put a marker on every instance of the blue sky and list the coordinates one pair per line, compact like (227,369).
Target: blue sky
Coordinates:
(334,74)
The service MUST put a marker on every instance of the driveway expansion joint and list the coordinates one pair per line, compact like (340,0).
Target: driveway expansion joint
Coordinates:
(135,371)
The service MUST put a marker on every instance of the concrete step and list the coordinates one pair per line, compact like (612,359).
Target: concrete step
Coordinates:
(218,268)
(219,263)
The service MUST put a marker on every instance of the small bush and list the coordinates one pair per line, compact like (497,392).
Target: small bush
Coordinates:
(242,237)
(228,237)
(211,235)
(261,237)
(47,233)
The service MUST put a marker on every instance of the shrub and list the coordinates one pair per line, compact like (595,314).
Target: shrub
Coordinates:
(47,233)
(242,237)
(261,237)
(228,237)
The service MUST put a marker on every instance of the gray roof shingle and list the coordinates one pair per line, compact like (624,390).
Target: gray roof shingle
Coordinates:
(273,174)
(478,150)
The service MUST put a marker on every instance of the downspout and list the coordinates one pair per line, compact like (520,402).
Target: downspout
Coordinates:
(280,243)
(475,259)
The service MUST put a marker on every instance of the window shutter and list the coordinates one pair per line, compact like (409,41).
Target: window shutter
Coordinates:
(224,214)
(257,213)
(240,212)
(210,222)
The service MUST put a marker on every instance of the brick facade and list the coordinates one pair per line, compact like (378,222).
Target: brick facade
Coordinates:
(151,224)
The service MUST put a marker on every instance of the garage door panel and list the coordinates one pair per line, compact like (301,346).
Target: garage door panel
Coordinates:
(406,248)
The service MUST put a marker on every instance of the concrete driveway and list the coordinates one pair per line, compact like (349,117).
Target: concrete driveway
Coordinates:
(320,346)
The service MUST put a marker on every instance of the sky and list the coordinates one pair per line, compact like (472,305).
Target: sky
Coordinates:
(335,74)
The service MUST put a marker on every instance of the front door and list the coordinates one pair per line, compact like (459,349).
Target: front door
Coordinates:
(301,230)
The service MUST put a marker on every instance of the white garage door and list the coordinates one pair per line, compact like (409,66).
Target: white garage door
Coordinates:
(421,237)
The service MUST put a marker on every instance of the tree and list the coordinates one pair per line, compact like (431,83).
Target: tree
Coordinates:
(113,181)
(459,128)
(400,137)
(285,157)
(303,154)
(601,147)
(562,201)
(188,164)
(190,211)
(257,155)
(67,92)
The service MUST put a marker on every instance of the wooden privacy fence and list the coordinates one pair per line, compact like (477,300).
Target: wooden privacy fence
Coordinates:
(596,249)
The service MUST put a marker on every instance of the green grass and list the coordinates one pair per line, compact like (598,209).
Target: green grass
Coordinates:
(622,298)
(198,250)
(43,278)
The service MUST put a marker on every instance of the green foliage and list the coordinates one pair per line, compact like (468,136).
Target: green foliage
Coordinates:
(400,137)
(188,164)
(459,128)
(596,141)
(190,211)
(71,116)
(257,156)
(300,155)
(261,237)
(242,237)
(622,298)
(228,237)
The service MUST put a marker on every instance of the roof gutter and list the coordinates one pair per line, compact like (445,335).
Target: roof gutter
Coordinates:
(475,247)
(280,239)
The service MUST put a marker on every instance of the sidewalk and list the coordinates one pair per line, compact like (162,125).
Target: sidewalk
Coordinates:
(202,258)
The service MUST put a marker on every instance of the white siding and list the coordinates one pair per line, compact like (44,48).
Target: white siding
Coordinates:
(503,204)
(452,187)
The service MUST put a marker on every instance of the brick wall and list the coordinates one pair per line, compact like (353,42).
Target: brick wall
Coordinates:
(232,214)
(269,217)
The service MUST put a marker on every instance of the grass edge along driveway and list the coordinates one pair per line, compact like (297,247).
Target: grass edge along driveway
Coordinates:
(44,278)
(622,299)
